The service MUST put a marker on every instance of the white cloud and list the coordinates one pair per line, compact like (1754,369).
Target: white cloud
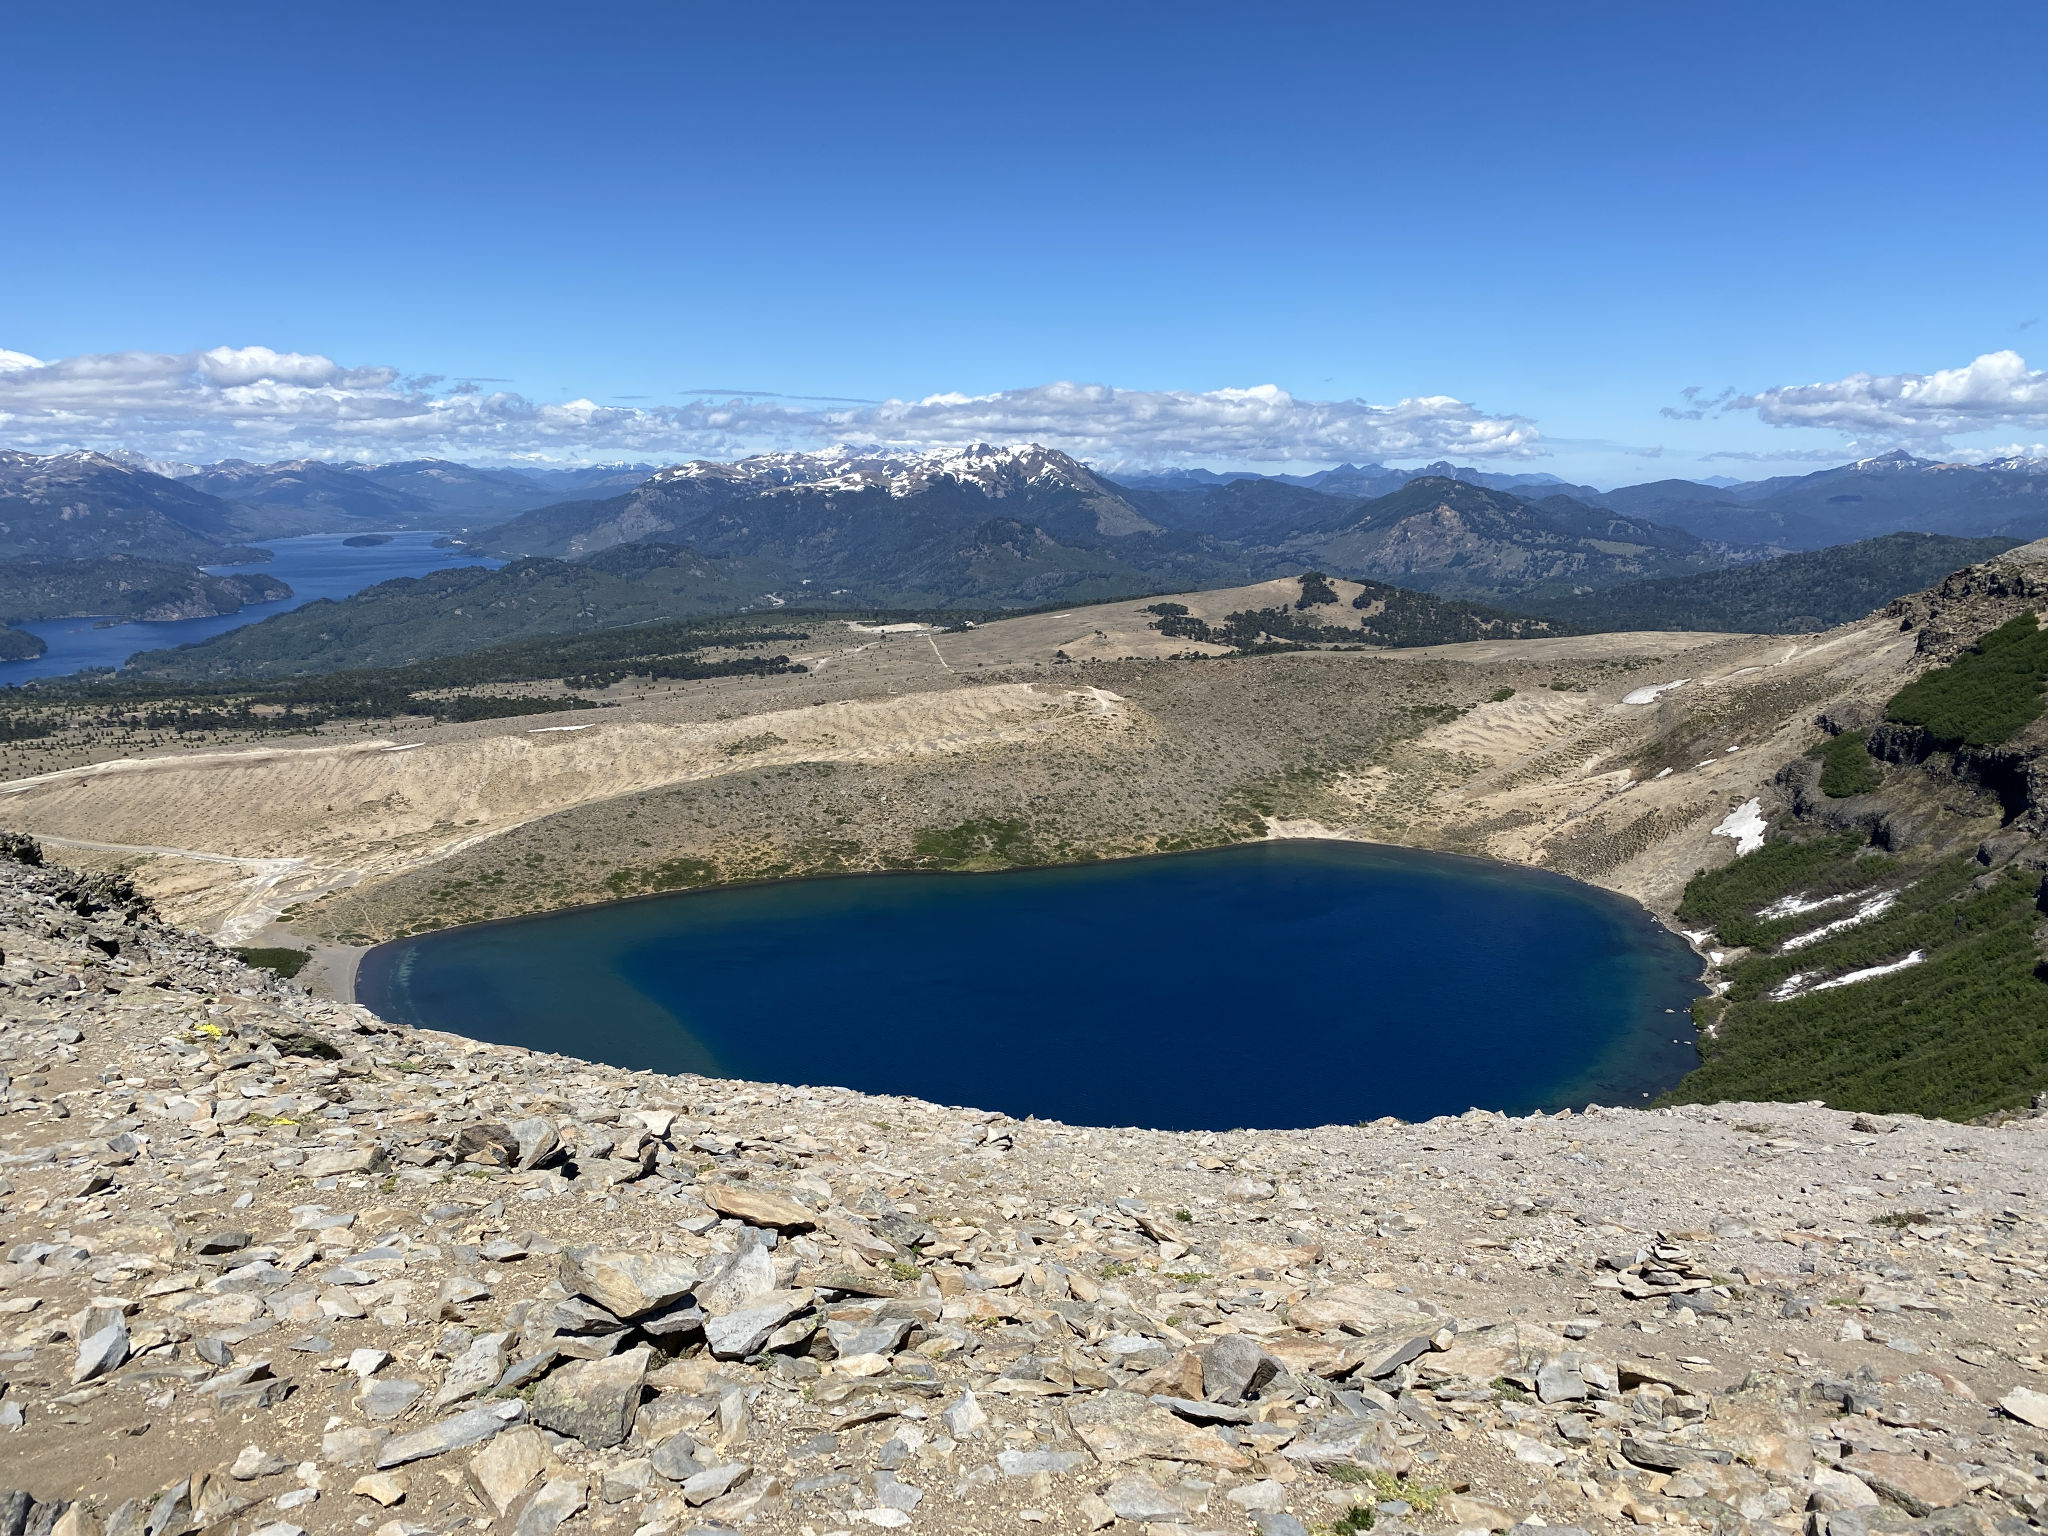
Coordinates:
(257,403)
(1921,410)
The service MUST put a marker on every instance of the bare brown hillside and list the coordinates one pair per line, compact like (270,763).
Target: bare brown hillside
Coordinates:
(1611,757)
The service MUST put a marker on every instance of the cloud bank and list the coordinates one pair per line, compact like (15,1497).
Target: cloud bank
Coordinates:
(253,402)
(1917,410)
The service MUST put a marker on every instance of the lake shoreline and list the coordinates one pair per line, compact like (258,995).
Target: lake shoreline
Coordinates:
(1621,1061)
(313,566)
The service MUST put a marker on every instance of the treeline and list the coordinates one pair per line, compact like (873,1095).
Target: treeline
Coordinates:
(122,587)
(1793,594)
(249,715)
(443,688)
(1394,617)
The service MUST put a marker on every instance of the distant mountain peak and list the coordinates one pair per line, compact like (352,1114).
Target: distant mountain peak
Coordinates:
(1897,459)
(170,469)
(857,467)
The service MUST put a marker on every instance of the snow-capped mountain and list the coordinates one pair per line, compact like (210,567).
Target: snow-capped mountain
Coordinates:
(170,469)
(868,515)
(1896,461)
(70,506)
(851,467)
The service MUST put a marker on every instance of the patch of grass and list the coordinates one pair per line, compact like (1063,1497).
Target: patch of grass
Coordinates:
(1423,1498)
(760,743)
(983,842)
(1507,1389)
(1359,1517)
(1500,695)
(1901,1219)
(285,962)
(669,875)
(1184,1216)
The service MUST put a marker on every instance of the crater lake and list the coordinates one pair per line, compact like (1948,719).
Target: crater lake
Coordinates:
(1272,985)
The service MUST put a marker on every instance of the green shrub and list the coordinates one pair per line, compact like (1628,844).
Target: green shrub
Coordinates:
(1986,695)
(1846,768)
(285,962)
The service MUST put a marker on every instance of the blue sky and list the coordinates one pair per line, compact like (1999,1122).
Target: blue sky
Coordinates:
(1559,221)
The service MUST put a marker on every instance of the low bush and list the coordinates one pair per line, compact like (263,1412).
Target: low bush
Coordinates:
(1986,695)
(285,962)
(1846,768)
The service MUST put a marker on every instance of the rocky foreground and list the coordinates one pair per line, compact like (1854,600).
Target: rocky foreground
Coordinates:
(275,1267)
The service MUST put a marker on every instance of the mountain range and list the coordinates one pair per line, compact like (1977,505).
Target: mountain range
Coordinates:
(992,526)
(1004,527)
(73,506)
(216,506)
(1891,493)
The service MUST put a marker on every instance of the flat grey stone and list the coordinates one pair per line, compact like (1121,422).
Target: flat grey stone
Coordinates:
(737,1282)
(451,1434)
(965,1419)
(101,1351)
(1135,1496)
(715,1482)
(1414,1349)
(1233,1368)
(676,1459)
(389,1396)
(1345,1442)
(891,1494)
(740,1334)
(537,1141)
(558,1499)
(871,1339)
(626,1480)
(1557,1382)
(629,1285)
(1031,1463)
(1205,1413)
(475,1371)
(594,1401)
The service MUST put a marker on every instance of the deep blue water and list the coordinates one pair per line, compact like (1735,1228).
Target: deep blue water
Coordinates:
(316,566)
(1274,985)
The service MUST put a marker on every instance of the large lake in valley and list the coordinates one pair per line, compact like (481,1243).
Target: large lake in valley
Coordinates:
(315,566)
(1277,984)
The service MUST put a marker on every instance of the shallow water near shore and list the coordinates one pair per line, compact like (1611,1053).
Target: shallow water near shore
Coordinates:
(1272,985)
